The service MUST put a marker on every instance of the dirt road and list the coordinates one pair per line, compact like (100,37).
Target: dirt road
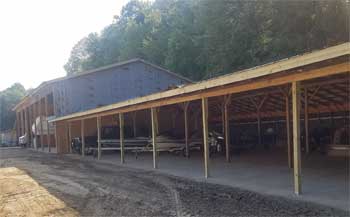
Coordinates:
(91,188)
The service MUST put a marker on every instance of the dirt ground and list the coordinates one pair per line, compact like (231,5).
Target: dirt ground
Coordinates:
(91,188)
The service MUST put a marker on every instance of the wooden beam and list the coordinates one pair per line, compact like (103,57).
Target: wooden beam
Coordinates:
(205,136)
(296,136)
(98,123)
(154,135)
(289,145)
(185,94)
(185,109)
(121,138)
(82,128)
(227,126)
(48,139)
(306,120)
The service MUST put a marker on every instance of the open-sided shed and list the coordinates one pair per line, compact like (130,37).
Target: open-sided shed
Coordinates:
(293,96)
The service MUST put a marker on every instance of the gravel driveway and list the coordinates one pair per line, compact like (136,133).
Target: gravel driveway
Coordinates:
(100,189)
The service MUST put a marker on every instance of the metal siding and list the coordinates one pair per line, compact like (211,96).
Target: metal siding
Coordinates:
(110,86)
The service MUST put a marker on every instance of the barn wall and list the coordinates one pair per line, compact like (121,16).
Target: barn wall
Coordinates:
(110,86)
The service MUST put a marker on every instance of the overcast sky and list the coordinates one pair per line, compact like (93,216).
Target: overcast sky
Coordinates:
(37,35)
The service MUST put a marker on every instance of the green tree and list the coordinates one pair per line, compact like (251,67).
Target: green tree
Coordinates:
(201,39)
(8,99)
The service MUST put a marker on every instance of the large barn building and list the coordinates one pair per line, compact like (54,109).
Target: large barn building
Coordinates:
(88,90)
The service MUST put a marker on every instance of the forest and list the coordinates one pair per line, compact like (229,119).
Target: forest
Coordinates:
(8,99)
(201,39)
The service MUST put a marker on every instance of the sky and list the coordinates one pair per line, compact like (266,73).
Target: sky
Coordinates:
(36,36)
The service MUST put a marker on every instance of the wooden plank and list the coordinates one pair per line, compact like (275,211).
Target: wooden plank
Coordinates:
(183,94)
(306,120)
(154,135)
(185,109)
(98,137)
(296,136)
(205,136)
(227,126)
(82,128)
(48,139)
(121,133)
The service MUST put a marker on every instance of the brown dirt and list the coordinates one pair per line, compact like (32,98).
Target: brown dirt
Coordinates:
(90,188)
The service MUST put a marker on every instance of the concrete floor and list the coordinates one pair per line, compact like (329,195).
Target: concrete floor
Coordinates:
(325,180)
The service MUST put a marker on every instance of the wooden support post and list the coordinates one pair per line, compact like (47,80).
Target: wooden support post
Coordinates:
(99,137)
(41,126)
(22,123)
(30,115)
(82,128)
(205,136)
(185,108)
(227,126)
(154,135)
(306,120)
(296,136)
(56,139)
(26,128)
(17,128)
(289,145)
(29,138)
(70,136)
(223,117)
(133,115)
(121,134)
(258,107)
(48,139)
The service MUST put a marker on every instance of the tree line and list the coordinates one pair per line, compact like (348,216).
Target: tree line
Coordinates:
(201,39)
(8,100)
